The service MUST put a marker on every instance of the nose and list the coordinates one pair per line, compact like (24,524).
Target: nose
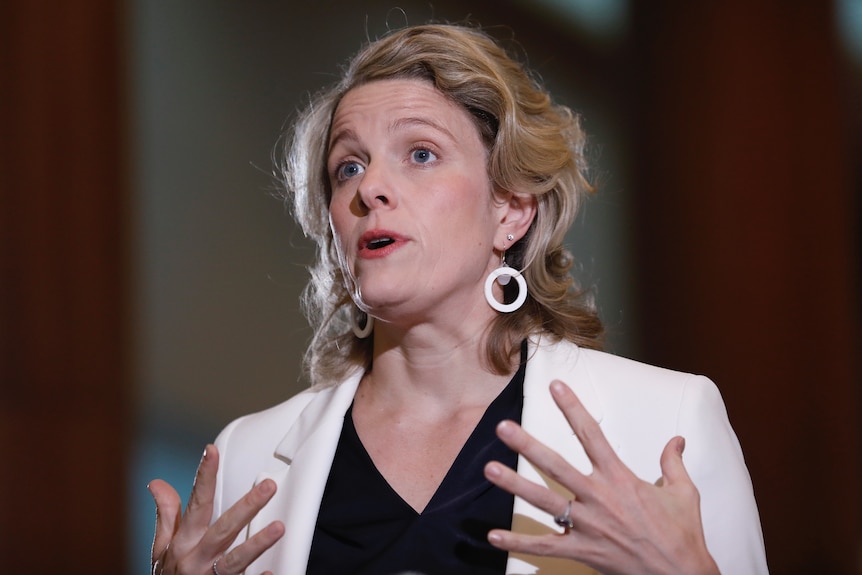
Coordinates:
(375,189)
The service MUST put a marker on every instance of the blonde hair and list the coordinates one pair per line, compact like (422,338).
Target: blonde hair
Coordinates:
(534,147)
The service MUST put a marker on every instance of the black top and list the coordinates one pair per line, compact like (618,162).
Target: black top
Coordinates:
(364,527)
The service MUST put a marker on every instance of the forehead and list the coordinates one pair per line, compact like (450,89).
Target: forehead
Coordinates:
(399,102)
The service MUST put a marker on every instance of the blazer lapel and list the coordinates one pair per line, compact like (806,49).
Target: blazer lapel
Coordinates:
(543,420)
(308,449)
(309,446)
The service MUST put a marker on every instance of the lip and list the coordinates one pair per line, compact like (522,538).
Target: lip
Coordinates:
(364,250)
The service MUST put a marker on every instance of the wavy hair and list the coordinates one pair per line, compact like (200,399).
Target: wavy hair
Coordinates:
(534,147)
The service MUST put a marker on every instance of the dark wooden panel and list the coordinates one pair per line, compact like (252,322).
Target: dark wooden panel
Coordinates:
(64,404)
(746,213)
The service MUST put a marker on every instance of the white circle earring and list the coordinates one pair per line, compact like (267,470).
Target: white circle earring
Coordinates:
(505,274)
(364,331)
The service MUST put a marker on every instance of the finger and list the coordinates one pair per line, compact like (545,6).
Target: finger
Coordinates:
(540,455)
(672,466)
(199,510)
(537,495)
(200,506)
(167,515)
(240,558)
(587,429)
(225,530)
(556,545)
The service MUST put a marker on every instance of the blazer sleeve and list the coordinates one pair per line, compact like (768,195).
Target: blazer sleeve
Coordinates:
(714,461)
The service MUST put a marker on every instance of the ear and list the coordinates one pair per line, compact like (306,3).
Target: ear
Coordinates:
(518,210)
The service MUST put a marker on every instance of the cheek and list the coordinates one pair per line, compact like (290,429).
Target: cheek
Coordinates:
(338,226)
(339,215)
(339,240)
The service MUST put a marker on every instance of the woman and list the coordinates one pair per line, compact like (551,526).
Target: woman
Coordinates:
(461,419)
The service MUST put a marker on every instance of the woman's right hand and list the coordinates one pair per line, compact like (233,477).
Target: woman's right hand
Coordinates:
(186,544)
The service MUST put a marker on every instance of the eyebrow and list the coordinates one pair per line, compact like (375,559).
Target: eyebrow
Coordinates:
(342,134)
(349,134)
(419,121)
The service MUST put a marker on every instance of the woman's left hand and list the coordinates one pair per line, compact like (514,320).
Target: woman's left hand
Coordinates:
(620,523)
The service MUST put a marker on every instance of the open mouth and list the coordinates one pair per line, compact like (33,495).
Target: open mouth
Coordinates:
(379,243)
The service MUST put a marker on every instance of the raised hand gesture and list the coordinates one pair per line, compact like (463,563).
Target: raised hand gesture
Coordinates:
(615,522)
(186,543)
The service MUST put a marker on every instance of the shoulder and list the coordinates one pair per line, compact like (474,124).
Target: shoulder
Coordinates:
(611,374)
(652,387)
(639,406)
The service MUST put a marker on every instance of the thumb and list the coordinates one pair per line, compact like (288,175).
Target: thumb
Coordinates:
(168,515)
(672,467)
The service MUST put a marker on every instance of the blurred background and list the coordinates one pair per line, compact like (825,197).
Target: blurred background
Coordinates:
(149,276)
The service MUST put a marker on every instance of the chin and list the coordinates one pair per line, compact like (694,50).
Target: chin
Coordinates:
(382,292)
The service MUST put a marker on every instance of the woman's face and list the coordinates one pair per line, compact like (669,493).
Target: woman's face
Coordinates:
(412,209)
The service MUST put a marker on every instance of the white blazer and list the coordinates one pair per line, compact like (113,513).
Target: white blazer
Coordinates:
(639,407)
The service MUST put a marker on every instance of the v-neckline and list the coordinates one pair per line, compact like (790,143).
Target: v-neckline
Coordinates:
(493,414)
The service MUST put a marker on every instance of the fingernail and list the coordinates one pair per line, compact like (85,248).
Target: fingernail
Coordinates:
(505,428)
(680,446)
(276,528)
(494,537)
(557,387)
(492,470)
(266,488)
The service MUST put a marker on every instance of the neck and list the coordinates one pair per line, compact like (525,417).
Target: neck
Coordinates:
(431,370)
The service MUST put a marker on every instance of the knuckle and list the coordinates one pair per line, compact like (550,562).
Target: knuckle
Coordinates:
(560,474)
(545,546)
(590,431)
(693,492)
(228,563)
(221,531)
(184,565)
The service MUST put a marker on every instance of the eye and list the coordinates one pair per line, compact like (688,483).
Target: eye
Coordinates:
(423,156)
(347,170)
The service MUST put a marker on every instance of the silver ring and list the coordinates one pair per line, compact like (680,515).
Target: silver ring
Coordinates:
(215,565)
(564,520)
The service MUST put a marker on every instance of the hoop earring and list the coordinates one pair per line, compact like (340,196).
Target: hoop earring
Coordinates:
(505,274)
(364,331)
